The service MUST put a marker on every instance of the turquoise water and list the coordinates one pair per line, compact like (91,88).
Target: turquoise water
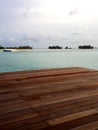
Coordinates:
(40,59)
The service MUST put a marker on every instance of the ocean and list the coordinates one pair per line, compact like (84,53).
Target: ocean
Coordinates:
(44,58)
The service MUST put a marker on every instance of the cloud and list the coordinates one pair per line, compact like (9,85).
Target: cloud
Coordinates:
(73,12)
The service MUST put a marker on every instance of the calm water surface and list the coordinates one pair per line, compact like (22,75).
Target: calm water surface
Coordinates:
(40,59)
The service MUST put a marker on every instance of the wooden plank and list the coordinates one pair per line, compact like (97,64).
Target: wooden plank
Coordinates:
(19,118)
(74,116)
(52,72)
(15,107)
(66,109)
(37,126)
(50,100)
(19,113)
(89,126)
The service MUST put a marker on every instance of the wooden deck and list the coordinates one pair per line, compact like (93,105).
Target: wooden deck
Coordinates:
(53,99)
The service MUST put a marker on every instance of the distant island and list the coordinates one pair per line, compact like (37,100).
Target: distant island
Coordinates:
(54,47)
(68,47)
(86,47)
(50,47)
(79,47)
(20,47)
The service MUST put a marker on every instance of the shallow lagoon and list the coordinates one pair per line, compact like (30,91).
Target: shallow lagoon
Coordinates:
(45,58)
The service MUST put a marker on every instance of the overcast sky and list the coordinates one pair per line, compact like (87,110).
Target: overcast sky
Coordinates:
(41,23)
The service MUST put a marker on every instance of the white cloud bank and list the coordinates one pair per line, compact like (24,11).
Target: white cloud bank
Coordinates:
(19,18)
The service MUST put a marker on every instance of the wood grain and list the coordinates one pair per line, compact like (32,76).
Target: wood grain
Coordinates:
(49,99)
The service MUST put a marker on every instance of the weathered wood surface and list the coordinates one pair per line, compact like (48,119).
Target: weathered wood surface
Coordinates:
(50,99)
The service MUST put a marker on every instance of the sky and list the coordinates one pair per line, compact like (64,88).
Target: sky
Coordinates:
(42,23)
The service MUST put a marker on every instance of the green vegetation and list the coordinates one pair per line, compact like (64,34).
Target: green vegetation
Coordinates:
(58,47)
(67,47)
(24,47)
(54,47)
(20,47)
(86,47)
(50,47)
(79,47)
